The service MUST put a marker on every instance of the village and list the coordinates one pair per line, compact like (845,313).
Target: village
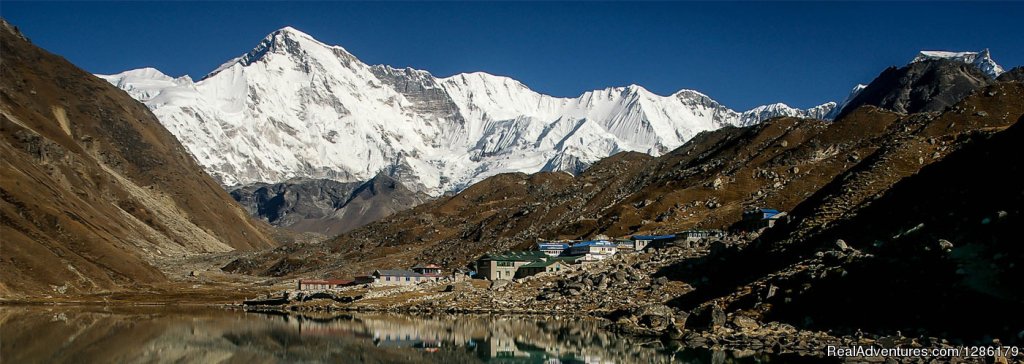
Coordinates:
(628,282)
(548,256)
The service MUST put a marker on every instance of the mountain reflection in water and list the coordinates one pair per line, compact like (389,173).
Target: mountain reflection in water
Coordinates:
(58,334)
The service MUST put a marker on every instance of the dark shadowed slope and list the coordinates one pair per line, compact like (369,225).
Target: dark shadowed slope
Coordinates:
(324,206)
(945,245)
(92,187)
(920,86)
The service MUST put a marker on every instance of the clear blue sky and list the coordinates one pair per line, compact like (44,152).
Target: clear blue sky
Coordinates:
(742,54)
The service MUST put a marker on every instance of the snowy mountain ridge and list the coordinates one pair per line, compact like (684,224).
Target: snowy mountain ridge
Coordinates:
(296,107)
(983,60)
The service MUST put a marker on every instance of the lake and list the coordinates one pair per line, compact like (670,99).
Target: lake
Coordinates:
(164,334)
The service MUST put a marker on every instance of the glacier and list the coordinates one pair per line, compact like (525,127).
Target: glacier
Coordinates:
(296,107)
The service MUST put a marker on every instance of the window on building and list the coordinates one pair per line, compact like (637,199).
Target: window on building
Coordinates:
(406,279)
(387,279)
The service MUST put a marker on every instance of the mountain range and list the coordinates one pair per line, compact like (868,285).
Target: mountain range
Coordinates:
(280,122)
(296,107)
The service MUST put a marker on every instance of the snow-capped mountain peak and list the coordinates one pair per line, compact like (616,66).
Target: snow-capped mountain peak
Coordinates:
(849,97)
(291,42)
(296,107)
(983,60)
(144,84)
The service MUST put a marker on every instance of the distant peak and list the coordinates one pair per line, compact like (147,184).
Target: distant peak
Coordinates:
(690,94)
(285,40)
(637,89)
(291,32)
(146,72)
(982,60)
(290,29)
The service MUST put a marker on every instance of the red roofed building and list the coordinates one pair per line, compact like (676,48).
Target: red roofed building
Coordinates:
(432,270)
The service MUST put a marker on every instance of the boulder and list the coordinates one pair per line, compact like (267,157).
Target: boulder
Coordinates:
(945,245)
(745,323)
(499,283)
(575,286)
(655,317)
(716,183)
(706,317)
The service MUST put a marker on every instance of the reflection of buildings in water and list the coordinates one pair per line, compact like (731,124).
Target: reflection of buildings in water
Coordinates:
(397,331)
(497,339)
(333,327)
(507,350)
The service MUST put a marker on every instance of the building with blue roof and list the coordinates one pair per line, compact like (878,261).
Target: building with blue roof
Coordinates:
(552,248)
(755,219)
(593,250)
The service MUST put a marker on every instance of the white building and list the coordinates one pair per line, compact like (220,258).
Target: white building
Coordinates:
(593,250)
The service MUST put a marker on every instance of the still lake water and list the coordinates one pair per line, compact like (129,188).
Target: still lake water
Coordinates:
(94,334)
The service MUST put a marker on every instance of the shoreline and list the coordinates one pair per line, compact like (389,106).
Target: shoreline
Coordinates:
(773,338)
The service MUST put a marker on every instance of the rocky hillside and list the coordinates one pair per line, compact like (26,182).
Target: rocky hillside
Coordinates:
(819,171)
(92,188)
(323,206)
(935,246)
(914,259)
(930,85)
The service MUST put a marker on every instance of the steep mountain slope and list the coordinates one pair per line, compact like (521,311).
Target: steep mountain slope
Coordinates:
(295,107)
(917,254)
(925,284)
(92,187)
(903,90)
(923,85)
(324,206)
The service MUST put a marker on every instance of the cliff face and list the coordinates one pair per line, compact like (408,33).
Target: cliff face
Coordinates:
(931,85)
(92,188)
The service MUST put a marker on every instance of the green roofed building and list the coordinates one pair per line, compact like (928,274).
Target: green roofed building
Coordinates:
(505,265)
(547,265)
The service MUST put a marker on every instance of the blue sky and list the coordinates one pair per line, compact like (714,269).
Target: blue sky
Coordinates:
(741,54)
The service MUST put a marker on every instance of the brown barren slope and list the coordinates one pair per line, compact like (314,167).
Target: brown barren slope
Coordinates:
(92,187)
